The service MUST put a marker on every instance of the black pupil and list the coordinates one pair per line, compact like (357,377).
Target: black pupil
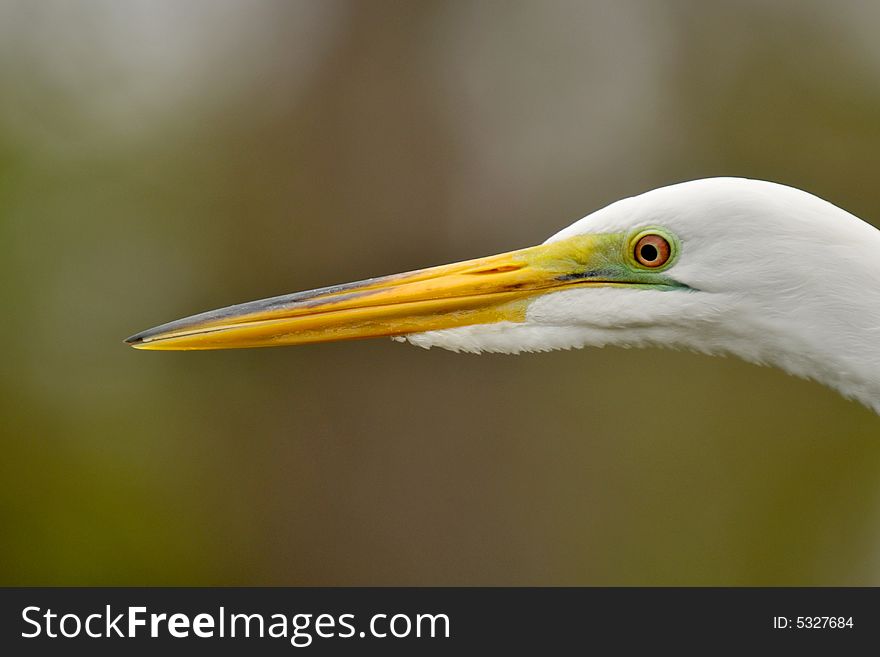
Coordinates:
(649,252)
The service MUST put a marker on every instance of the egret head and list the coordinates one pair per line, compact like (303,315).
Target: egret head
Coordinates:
(722,265)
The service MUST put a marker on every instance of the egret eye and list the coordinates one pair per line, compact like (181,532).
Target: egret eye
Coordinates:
(652,251)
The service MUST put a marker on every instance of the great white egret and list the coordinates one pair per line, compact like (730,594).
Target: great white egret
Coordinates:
(766,272)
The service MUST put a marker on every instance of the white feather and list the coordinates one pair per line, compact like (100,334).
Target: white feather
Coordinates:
(779,277)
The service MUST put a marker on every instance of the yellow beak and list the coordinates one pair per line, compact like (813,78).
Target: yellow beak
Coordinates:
(481,291)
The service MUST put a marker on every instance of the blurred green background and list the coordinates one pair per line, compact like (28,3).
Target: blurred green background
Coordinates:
(159,158)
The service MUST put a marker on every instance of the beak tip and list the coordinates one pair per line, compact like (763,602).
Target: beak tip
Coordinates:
(137,340)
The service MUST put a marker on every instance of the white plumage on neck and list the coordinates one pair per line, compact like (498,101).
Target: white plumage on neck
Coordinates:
(777,277)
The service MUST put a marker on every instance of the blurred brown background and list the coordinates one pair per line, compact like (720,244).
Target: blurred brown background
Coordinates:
(159,158)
